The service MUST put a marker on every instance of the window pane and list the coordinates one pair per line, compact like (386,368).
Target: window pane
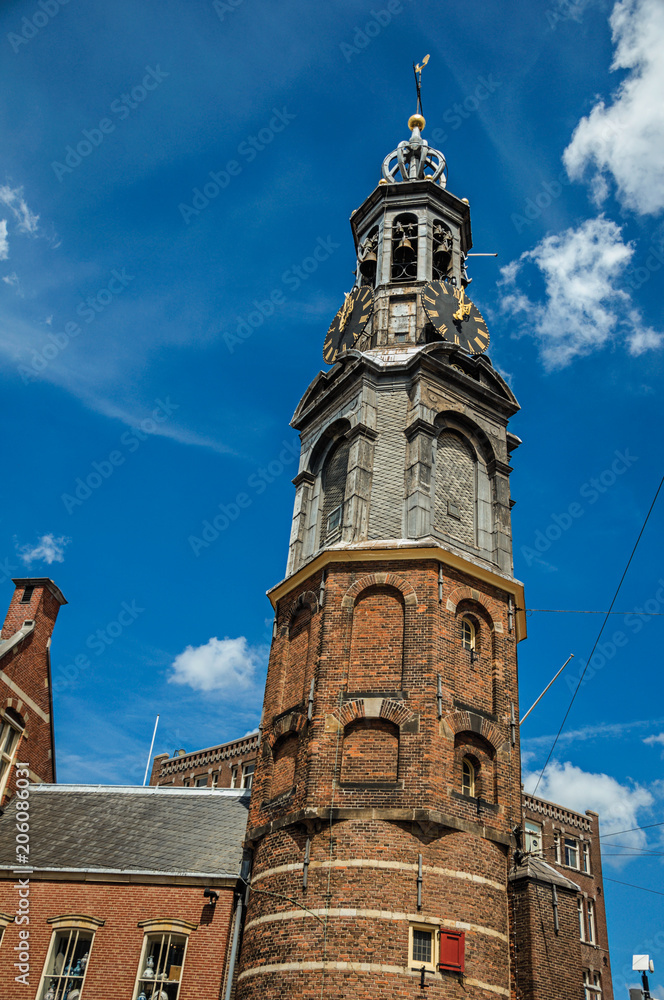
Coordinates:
(421,946)
(468,778)
(66,966)
(161,967)
(467,634)
(571,853)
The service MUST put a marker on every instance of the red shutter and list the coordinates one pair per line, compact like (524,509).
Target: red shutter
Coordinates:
(452,950)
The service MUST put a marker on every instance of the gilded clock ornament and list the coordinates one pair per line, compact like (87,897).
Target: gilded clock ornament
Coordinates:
(455,317)
(348,324)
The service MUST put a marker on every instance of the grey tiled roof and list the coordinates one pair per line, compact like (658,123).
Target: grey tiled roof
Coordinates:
(110,828)
(535,868)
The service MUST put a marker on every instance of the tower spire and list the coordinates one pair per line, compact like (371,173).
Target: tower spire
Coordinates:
(417,70)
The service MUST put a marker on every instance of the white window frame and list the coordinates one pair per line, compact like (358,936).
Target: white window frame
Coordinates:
(592,923)
(582,919)
(72,924)
(592,985)
(234,776)
(8,727)
(468,634)
(431,929)
(469,783)
(585,855)
(534,833)
(573,851)
(201,781)
(556,844)
(164,929)
(246,773)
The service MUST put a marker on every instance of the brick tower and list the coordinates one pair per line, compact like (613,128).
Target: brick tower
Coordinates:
(26,700)
(387,786)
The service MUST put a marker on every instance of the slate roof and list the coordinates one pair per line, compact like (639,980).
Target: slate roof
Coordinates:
(114,828)
(535,868)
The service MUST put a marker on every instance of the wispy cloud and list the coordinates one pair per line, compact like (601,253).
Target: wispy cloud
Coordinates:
(11,279)
(603,730)
(624,139)
(48,549)
(584,305)
(4,241)
(12,198)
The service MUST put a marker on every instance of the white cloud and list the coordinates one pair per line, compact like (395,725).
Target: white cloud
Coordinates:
(11,279)
(652,740)
(226,665)
(618,805)
(15,202)
(48,549)
(585,304)
(4,242)
(624,139)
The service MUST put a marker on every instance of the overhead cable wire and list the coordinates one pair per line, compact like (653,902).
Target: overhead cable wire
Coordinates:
(599,634)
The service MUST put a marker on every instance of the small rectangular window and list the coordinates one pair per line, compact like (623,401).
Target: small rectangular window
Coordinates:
(592,932)
(185,782)
(422,946)
(215,779)
(592,985)
(248,775)
(334,519)
(201,781)
(582,922)
(571,853)
(586,858)
(556,844)
(234,776)
(27,595)
(453,510)
(533,838)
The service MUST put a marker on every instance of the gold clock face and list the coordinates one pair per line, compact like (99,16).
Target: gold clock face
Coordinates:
(455,317)
(348,324)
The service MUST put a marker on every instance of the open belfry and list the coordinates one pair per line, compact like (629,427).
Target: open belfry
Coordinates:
(387,790)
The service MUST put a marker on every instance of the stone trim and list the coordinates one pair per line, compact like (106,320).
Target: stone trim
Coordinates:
(306,599)
(355,967)
(379,580)
(164,925)
(385,865)
(557,812)
(78,920)
(461,722)
(379,915)
(396,815)
(374,708)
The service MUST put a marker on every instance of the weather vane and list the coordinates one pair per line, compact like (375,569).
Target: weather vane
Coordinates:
(417,70)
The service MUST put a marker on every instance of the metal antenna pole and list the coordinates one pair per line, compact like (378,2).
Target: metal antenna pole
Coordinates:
(147,766)
(546,689)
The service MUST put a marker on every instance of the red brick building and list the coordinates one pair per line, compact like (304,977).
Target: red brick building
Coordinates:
(129,892)
(228,765)
(26,701)
(567,842)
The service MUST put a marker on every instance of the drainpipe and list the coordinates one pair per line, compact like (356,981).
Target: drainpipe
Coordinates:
(241,899)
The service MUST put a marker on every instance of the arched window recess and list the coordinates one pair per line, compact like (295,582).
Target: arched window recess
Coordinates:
(404,248)
(367,258)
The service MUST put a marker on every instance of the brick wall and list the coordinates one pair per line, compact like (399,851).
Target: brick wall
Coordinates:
(116,948)
(25,680)
(375,787)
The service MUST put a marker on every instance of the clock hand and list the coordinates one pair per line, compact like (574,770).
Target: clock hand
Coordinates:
(463,312)
(346,310)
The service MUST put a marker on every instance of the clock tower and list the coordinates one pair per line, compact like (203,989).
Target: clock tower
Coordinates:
(387,787)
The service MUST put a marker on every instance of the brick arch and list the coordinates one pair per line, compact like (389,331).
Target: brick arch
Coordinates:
(379,580)
(487,603)
(374,708)
(461,722)
(17,706)
(293,722)
(307,599)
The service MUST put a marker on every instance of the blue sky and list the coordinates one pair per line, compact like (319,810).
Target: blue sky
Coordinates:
(154,343)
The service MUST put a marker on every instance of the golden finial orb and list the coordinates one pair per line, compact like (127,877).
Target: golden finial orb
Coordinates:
(416,121)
